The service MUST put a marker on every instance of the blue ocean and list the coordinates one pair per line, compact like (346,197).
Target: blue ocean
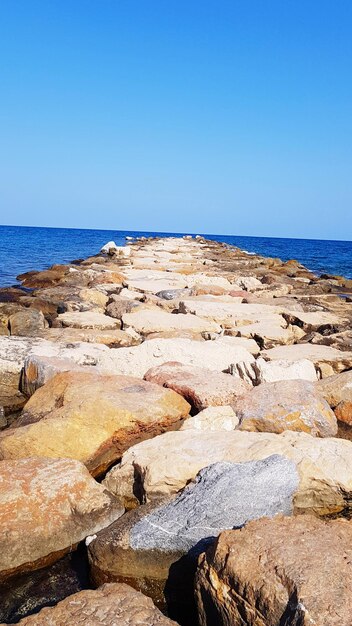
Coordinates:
(24,248)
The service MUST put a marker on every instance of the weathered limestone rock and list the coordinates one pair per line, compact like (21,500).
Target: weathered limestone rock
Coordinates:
(88,319)
(13,351)
(114,338)
(262,371)
(286,405)
(313,320)
(286,570)
(154,320)
(199,386)
(119,306)
(110,605)
(27,323)
(90,417)
(46,507)
(165,464)
(212,418)
(184,525)
(329,360)
(218,355)
(270,333)
(337,391)
(94,296)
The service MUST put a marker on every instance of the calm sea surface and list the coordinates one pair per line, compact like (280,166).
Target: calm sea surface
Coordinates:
(25,248)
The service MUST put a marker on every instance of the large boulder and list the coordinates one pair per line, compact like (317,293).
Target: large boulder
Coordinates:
(286,405)
(201,387)
(223,495)
(286,570)
(90,417)
(46,507)
(218,355)
(110,605)
(337,391)
(165,464)
(262,371)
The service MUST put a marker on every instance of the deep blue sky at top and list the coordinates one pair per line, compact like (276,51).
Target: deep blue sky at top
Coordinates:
(218,116)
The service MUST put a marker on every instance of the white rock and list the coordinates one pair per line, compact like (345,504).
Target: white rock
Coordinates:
(212,418)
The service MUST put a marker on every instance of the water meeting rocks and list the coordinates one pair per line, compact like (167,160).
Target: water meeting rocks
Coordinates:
(46,507)
(90,417)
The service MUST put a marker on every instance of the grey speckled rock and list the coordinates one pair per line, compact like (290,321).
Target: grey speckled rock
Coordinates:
(224,495)
(156,549)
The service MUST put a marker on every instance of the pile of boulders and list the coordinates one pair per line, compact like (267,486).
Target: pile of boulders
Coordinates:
(176,440)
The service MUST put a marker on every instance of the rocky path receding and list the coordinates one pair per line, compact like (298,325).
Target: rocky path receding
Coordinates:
(208,390)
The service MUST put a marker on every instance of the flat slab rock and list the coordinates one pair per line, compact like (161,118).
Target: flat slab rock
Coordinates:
(164,465)
(115,604)
(262,371)
(92,418)
(199,386)
(46,507)
(88,319)
(218,355)
(328,359)
(286,570)
(223,495)
(155,320)
(286,405)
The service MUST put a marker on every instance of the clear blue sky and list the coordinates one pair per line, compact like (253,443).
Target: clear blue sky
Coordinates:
(229,117)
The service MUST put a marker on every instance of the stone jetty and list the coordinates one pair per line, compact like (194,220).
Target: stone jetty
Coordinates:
(176,440)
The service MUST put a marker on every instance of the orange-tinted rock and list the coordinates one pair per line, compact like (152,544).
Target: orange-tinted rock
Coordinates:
(286,405)
(90,417)
(337,390)
(46,507)
(286,570)
(201,387)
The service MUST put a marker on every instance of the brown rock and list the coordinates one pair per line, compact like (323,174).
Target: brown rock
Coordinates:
(46,507)
(114,338)
(90,417)
(110,605)
(286,570)
(119,307)
(337,391)
(199,386)
(46,278)
(286,405)
(27,323)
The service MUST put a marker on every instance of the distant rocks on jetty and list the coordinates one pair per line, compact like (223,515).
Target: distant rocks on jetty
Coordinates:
(167,409)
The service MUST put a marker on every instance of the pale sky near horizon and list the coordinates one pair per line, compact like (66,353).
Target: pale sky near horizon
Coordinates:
(229,117)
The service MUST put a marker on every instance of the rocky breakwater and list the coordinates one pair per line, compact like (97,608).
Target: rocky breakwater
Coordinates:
(209,392)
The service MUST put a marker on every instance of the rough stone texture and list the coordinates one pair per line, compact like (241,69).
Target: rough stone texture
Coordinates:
(329,360)
(218,355)
(13,351)
(90,417)
(154,320)
(270,333)
(223,495)
(212,418)
(271,371)
(88,319)
(337,391)
(286,405)
(94,296)
(286,570)
(110,605)
(199,386)
(46,507)
(120,306)
(165,464)
(26,323)
(114,338)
